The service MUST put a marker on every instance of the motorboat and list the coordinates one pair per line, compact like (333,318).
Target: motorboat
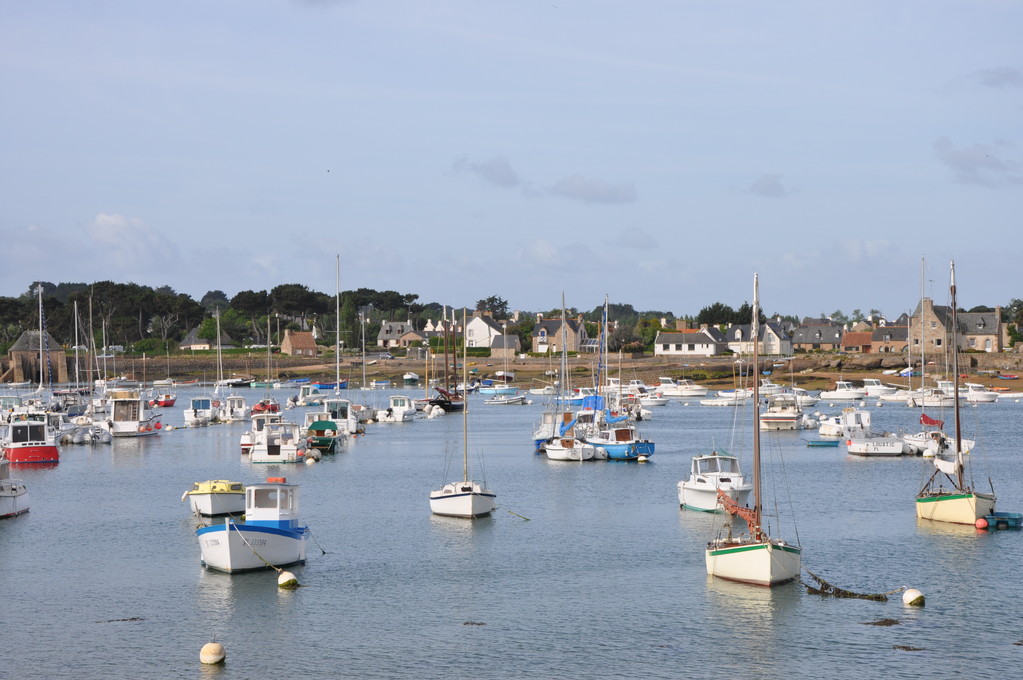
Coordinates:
(979,394)
(862,440)
(270,537)
(682,387)
(506,399)
(783,412)
(875,388)
(13,494)
(280,442)
(164,400)
(259,423)
(712,475)
(215,497)
(322,433)
(235,408)
(129,415)
(201,411)
(29,439)
(844,391)
(569,448)
(620,441)
(400,409)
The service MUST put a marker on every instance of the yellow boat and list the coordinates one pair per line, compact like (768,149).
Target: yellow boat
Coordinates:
(216,497)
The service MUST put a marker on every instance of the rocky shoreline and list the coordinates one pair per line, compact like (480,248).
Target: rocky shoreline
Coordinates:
(812,371)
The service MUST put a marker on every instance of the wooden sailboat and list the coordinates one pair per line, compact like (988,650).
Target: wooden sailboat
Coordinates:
(753,557)
(465,498)
(959,503)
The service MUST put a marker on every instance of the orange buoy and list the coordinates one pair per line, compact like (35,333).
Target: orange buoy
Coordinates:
(981,523)
(276,480)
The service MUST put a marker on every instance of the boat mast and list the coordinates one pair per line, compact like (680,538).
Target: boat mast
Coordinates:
(465,404)
(39,293)
(337,321)
(755,334)
(955,378)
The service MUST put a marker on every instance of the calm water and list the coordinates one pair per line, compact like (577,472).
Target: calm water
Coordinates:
(606,579)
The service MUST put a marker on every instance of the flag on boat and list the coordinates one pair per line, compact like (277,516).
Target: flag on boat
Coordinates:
(924,420)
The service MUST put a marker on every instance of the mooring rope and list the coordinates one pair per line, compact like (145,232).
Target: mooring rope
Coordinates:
(825,589)
(246,542)
(308,531)
(515,513)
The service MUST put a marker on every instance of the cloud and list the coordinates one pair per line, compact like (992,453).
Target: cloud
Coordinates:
(769,186)
(496,171)
(130,244)
(979,163)
(499,172)
(587,190)
(999,77)
(636,238)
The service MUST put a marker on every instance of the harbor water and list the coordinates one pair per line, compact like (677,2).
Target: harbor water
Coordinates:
(586,570)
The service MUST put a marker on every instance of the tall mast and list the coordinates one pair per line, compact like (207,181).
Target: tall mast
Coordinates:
(755,333)
(39,293)
(955,377)
(465,404)
(337,322)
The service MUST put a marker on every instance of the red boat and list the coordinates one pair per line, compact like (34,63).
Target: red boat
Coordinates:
(266,406)
(163,400)
(30,442)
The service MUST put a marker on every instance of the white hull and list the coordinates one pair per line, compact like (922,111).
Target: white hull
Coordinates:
(955,508)
(569,448)
(462,499)
(222,547)
(212,504)
(877,446)
(765,564)
(695,496)
(13,498)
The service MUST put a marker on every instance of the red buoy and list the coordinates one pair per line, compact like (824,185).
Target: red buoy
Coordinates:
(981,523)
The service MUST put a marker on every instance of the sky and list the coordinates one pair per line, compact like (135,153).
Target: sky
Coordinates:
(656,152)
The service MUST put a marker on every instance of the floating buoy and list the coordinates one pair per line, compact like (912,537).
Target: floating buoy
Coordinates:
(212,653)
(310,461)
(642,459)
(981,523)
(169,428)
(287,580)
(913,598)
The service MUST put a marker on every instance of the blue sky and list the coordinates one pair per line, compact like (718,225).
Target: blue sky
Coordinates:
(656,152)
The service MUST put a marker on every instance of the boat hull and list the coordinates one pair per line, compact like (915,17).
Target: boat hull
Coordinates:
(769,563)
(704,498)
(13,498)
(570,449)
(462,499)
(231,547)
(32,453)
(954,508)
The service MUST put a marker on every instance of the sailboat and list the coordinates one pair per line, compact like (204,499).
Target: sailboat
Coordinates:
(465,498)
(565,445)
(753,557)
(960,503)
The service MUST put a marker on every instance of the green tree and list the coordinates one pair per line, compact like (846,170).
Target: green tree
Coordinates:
(716,314)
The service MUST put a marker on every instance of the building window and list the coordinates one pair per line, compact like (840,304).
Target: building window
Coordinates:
(692,348)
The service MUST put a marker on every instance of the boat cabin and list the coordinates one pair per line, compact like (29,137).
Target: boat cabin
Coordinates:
(273,503)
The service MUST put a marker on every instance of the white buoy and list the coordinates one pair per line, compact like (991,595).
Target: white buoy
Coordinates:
(310,461)
(642,459)
(287,580)
(913,598)
(212,653)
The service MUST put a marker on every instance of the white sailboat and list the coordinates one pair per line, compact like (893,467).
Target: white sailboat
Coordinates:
(753,557)
(464,498)
(959,502)
(565,445)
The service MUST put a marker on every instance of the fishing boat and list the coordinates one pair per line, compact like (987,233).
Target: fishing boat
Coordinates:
(322,433)
(129,415)
(13,494)
(235,408)
(463,498)
(259,423)
(711,476)
(844,391)
(958,502)
(270,537)
(400,409)
(753,557)
(215,497)
(29,439)
(201,411)
(620,441)
(279,442)
(163,400)
(506,399)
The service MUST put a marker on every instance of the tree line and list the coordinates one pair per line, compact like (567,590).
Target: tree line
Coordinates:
(155,320)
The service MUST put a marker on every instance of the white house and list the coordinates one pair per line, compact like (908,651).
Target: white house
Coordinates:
(693,342)
(481,330)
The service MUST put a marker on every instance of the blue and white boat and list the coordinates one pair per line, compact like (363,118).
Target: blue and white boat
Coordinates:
(620,441)
(270,536)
